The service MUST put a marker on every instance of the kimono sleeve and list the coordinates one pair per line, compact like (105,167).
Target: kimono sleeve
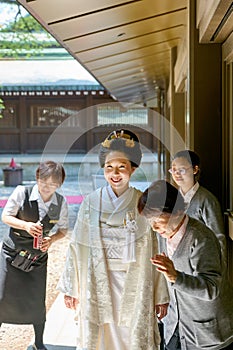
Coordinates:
(77,256)
(161,293)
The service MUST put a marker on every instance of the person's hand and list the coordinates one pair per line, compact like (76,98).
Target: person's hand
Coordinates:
(34,228)
(165,266)
(70,302)
(46,243)
(161,310)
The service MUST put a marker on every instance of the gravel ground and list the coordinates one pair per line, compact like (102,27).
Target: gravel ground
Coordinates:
(18,337)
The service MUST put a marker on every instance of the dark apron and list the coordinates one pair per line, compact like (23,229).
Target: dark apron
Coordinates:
(22,294)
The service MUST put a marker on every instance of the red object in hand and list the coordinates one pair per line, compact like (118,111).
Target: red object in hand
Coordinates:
(37,241)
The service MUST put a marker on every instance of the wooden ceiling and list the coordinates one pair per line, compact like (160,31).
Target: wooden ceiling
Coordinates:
(125,45)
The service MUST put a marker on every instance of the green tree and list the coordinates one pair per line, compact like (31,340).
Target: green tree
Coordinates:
(22,37)
(2,107)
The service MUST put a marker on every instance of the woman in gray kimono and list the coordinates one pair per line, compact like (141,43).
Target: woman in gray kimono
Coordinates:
(200,314)
(108,277)
(200,203)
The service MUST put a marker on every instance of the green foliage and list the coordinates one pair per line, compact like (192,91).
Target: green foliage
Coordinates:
(2,107)
(24,45)
(26,24)
(24,36)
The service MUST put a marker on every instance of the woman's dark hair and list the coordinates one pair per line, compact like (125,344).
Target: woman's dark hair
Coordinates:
(124,141)
(51,169)
(193,159)
(160,196)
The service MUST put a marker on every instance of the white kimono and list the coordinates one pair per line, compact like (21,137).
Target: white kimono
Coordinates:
(117,298)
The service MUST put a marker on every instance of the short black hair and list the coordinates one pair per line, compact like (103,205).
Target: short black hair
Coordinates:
(192,157)
(52,169)
(160,196)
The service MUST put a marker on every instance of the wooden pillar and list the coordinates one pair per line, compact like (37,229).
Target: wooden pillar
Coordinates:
(22,123)
(177,111)
(205,105)
(90,121)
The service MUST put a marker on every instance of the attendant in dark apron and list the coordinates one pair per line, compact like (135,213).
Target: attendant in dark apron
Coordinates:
(31,213)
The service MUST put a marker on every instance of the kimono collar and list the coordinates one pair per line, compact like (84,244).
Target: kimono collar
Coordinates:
(114,208)
(189,195)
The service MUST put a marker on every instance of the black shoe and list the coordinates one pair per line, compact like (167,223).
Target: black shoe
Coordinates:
(36,348)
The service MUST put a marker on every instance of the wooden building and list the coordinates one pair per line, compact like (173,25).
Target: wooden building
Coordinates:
(32,113)
(84,114)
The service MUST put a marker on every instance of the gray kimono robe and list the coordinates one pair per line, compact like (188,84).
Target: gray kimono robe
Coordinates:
(201,298)
(86,275)
(205,207)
